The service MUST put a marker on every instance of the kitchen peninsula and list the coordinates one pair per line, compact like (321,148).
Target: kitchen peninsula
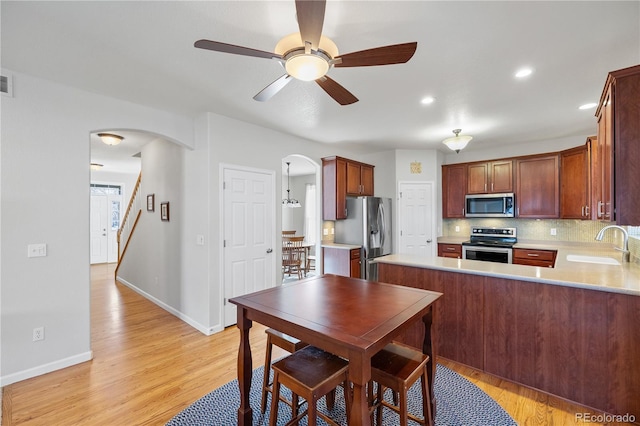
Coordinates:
(571,330)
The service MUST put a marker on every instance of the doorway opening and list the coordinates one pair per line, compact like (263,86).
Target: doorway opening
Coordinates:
(301,182)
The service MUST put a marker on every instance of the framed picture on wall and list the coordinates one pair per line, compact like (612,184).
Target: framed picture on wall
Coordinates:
(164,211)
(151,205)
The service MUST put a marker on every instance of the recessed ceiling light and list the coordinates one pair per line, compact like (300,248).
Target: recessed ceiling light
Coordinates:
(588,106)
(523,72)
(428,100)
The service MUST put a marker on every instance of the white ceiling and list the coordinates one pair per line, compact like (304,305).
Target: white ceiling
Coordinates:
(468,52)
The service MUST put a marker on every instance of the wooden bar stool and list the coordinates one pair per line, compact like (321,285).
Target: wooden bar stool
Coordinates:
(284,341)
(398,367)
(310,373)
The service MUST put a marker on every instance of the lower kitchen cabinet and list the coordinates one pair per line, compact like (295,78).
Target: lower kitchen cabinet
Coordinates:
(341,261)
(450,250)
(544,258)
(554,338)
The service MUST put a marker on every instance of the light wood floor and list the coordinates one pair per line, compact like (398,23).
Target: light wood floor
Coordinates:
(148,366)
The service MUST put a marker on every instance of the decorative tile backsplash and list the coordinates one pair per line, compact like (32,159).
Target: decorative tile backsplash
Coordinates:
(541,229)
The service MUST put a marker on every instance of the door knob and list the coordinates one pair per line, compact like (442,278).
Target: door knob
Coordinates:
(429,240)
(269,250)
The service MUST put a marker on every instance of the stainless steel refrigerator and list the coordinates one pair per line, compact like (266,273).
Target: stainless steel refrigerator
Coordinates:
(368,224)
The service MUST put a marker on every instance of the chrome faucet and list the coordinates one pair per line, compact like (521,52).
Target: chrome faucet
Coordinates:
(625,243)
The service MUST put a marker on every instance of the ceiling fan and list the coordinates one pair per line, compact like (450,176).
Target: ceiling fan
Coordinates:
(308,55)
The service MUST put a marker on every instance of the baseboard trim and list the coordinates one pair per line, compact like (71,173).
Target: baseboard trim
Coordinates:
(45,368)
(207,331)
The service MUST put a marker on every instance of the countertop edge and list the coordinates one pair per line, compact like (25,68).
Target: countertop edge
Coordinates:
(580,279)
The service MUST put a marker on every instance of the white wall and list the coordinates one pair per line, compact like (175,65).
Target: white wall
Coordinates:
(44,166)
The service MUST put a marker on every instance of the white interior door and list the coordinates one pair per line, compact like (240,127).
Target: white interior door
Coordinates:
(416,218)
(98,224)
(249,235)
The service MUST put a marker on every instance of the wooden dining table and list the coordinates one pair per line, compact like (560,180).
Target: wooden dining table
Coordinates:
(348,317)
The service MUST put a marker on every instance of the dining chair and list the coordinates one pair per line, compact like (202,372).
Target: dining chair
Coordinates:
(310,373)
(284,341)
(398,367)
(293,255)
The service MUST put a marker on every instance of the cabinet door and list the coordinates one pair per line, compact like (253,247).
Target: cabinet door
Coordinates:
(355,263)
(605,156)
(477,175)
(366,179)
(538,187)
(501,176)
(574,183)
(353,179)
(454,184)
(595,176)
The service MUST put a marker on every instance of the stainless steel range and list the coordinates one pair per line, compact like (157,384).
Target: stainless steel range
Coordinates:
(490,244)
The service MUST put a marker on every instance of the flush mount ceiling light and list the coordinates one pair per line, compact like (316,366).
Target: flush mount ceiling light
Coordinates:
(588,106)
(96,166)
(458,142)
(524,72)
(290,202)
(427,100)
(110,138)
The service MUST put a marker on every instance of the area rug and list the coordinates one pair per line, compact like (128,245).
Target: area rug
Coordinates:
(459,403)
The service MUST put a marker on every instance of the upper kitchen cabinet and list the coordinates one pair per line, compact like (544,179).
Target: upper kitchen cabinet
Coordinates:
(538,187)
(575,183)
(490,177)
(342,177)
(619,146)
(454,184)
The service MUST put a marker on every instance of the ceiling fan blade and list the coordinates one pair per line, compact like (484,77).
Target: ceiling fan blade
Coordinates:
(236,50)
(385,55)
(273,88)
(336,91)
(310,19)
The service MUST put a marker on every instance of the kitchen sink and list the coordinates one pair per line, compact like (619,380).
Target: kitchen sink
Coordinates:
(592,259)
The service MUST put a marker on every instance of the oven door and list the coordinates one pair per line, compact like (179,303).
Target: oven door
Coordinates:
(488,254)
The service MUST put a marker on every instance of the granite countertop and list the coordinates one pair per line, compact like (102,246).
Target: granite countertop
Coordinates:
(623,278)
(340,246)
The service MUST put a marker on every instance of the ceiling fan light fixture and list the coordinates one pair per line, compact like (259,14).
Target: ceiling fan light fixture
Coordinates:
(110,138)
(458,142)
(307,66)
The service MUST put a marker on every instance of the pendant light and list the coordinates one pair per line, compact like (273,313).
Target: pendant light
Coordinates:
(290,202)
(458,142)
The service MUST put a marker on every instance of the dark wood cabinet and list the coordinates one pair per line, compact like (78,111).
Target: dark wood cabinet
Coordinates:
(341,261)
(450,250)
(359,179)
(342,177)
(538,187)
(554,338)
(531,257)
(490,177)
(454,185)
(575,183)
(619,140)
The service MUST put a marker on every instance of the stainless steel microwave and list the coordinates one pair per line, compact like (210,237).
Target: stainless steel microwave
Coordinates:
(490,205)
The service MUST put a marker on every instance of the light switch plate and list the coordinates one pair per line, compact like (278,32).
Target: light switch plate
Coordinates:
(36,250)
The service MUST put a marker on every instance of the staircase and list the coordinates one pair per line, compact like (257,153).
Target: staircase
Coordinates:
(129,222)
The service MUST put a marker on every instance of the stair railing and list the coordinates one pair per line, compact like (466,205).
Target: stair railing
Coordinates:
(129,220)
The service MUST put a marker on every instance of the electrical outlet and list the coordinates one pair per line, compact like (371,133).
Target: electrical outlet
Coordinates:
(553,231)
(38,334)
(36,250)
(457,229)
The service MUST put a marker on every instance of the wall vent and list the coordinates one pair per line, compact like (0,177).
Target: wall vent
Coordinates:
(6,85)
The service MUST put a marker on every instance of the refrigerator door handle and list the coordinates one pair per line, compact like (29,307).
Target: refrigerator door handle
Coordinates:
(381,224)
